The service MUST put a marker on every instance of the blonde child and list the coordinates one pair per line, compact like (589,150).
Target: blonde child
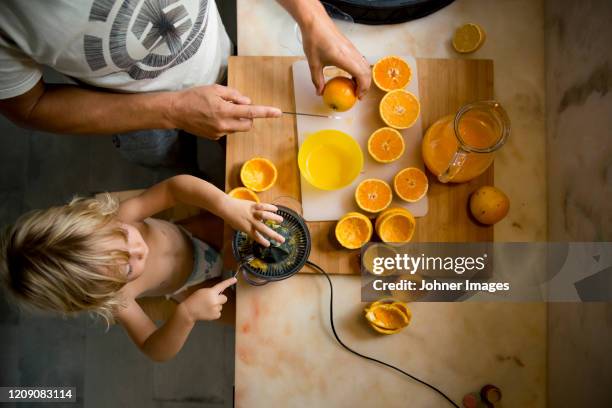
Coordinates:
(97,255)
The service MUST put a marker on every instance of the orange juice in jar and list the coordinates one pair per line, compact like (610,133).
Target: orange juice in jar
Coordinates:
(458,148)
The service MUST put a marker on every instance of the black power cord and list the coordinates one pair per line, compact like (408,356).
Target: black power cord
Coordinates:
(331,319)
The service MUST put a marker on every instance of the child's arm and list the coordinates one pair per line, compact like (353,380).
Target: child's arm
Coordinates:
(163,343)
(239,214)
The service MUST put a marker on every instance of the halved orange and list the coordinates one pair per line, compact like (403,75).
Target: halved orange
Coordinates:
(399,109)
(391,73)
(386,213)
(353,230)
(386,145)
(397,227)
(388,316)
(258,174)
(244,193)
(373,195)
(410,184)
(468,38)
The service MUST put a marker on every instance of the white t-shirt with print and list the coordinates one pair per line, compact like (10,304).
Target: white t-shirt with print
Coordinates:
(122,45)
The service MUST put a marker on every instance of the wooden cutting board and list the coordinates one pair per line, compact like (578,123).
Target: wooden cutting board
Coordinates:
(444,86)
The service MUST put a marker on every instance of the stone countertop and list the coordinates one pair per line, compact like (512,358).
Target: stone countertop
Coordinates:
(285,352)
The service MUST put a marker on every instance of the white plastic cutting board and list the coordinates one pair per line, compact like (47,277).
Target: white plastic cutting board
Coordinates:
(359,122)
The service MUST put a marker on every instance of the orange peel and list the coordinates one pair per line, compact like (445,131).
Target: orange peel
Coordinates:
(244,193)
(388,316)
(258,174)
(353,230)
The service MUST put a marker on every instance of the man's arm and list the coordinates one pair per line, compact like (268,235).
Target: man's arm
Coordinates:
(72,109)
(208,111)
(325,45)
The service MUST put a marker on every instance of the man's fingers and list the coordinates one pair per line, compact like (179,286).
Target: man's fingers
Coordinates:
(363,84)
(318,80)
(232,95)
(361,73)
(222,299)
(255,111)
(221,286)
(240,125)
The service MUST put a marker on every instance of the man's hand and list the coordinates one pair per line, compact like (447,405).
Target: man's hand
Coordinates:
(209,111)
(325,45)
(207,303)
(247,216)
(213,111)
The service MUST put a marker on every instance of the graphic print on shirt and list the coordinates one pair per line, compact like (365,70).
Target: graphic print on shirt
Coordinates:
(147,37)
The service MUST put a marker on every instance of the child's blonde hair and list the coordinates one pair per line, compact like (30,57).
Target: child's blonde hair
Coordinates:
(55,259)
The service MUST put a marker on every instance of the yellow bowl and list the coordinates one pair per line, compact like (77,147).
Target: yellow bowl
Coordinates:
(330,159)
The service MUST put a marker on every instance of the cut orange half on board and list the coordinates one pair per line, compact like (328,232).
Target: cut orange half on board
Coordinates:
(410,184)
(353,230)
(387,212)
(399,109)
(258,174)
(391,73)
(373,195)
(468,38)
(386,145)
(244,193)
(397,227)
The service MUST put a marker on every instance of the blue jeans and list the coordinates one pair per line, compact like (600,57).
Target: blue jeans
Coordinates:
(176,150)
(158,148)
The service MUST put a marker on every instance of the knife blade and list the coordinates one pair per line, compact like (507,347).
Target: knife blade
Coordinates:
(312,114)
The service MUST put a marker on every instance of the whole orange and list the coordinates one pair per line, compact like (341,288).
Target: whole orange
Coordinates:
(339,93)
(489,205)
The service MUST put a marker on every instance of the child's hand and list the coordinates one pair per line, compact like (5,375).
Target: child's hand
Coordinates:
(206,304)
(249,217)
